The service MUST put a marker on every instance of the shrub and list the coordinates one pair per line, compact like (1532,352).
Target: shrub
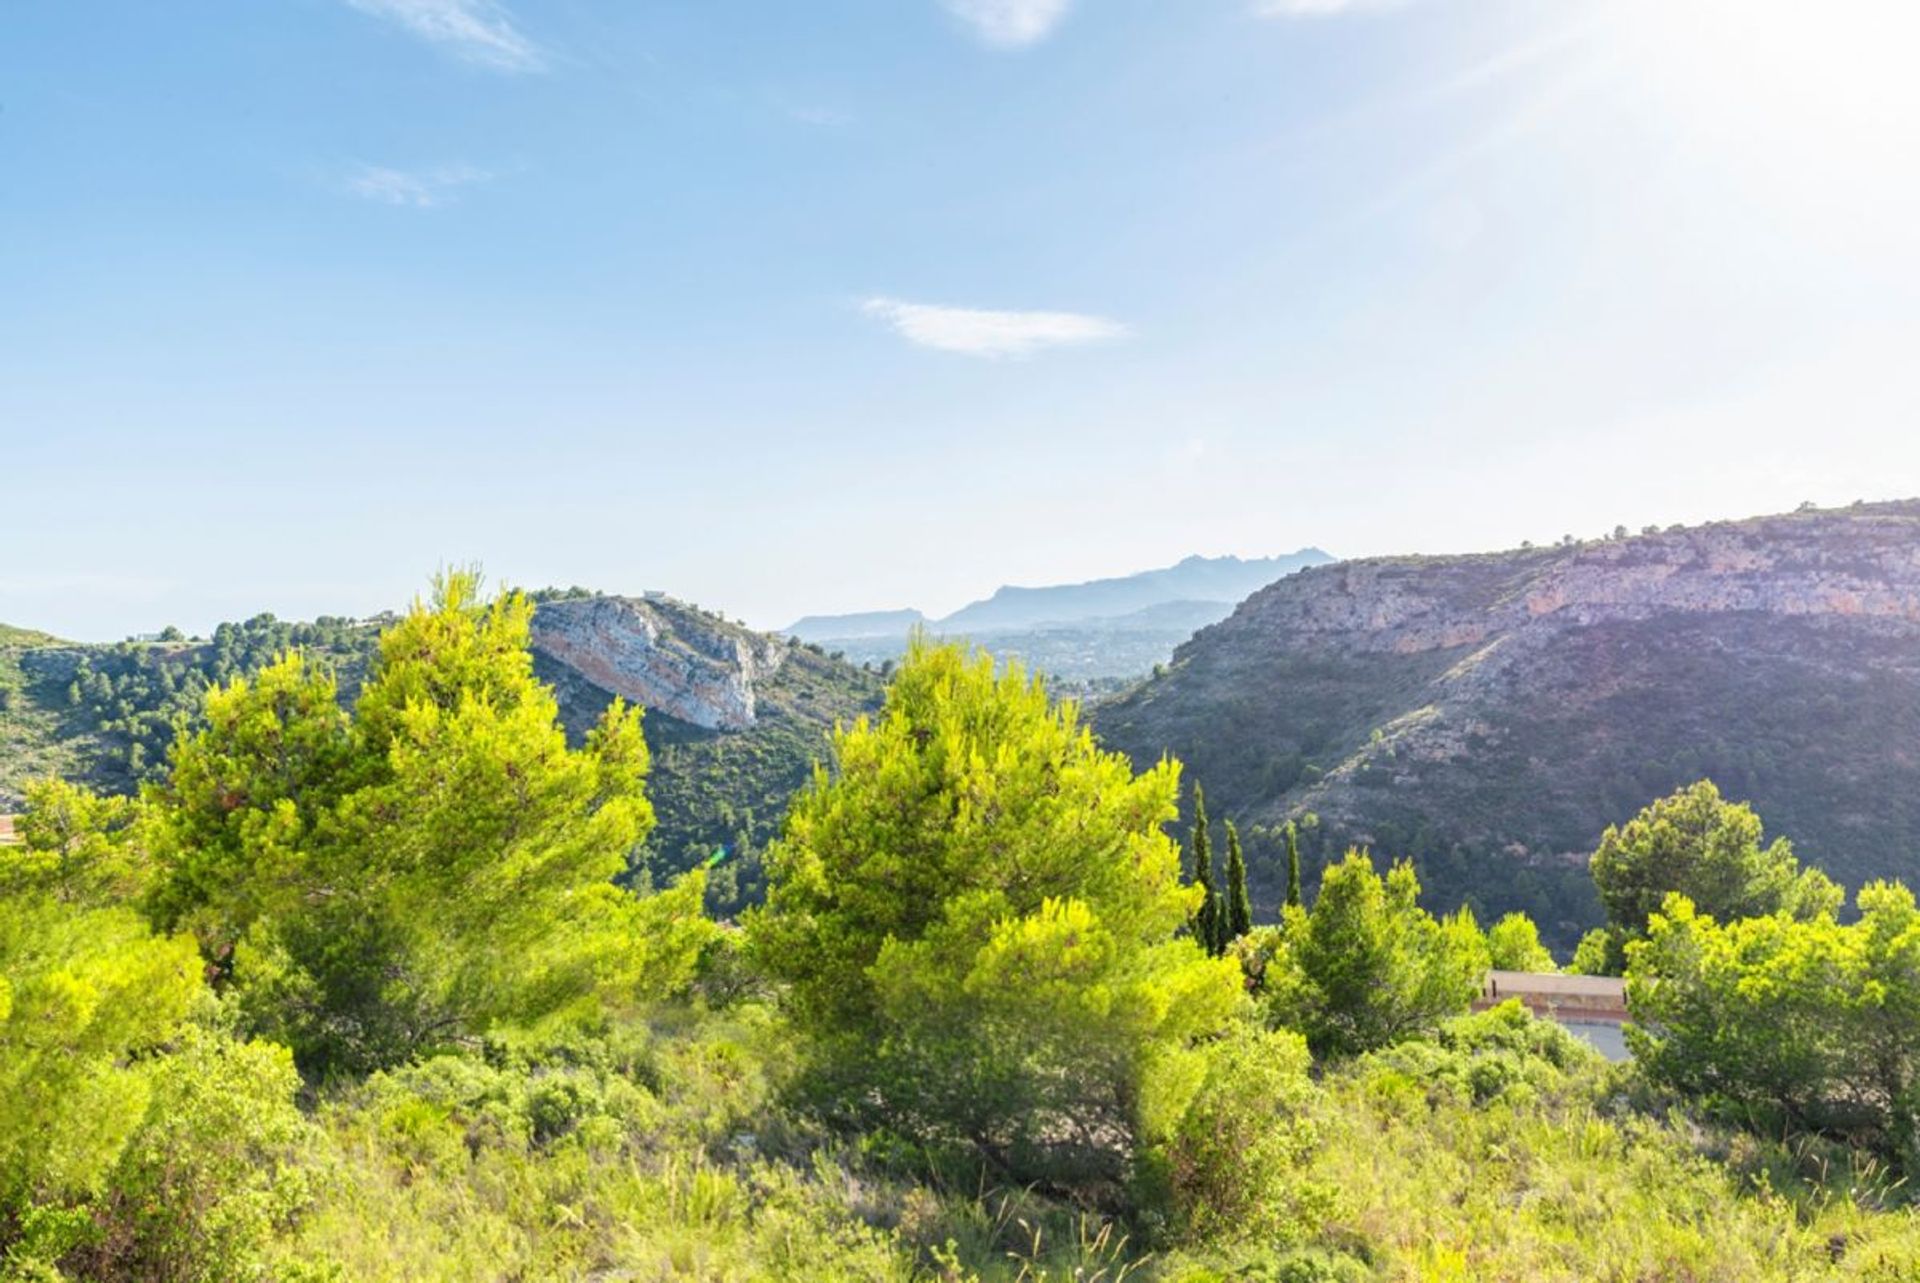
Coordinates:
(1504,1052)
(219,1169)
(1231,1167)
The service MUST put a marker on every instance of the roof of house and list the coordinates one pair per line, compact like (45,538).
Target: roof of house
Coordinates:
(1517,984)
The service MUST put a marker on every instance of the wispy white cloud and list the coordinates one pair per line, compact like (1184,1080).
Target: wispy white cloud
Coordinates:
(978,332)
(479,31)
(1318,8)
(1012,24)
(417,189)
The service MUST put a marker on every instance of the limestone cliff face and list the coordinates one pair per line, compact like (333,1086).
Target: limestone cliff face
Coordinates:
(1489,715)
(662,655)
(1863,564)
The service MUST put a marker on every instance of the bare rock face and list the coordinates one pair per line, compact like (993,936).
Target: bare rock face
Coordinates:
(1862,564)
(662,655)
(1489,715)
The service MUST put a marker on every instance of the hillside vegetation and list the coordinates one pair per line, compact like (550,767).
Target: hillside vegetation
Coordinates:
(352,993)
(1490,715)
(12,636)
(106,714)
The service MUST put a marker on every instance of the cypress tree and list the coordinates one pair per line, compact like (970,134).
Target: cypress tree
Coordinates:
(1239,916)
(1206,923)
(1293,867)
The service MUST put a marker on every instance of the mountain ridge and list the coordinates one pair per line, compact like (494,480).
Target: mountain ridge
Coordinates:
(1193,578)
(1489,714)
(1093,635)
(858,624)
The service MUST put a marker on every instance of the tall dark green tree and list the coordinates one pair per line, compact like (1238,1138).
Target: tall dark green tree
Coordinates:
(1370,967)
(1207,923)
(1239,914)
(1294,898)
(1706,848)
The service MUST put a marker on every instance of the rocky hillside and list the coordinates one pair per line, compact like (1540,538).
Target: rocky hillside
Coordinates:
(1489,715)
(663,655)
(735,718)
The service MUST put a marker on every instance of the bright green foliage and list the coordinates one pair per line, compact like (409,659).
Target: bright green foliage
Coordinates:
(979,930)
(1239,907)
(975,918)
(1601,952)
(218,1170)
(234,823)
(1295,897)
(1513,944)
(1709,850)
(82,993)
(108,713)
(440,862)
(1369,966)
(1498,1152)
(1232,1167)
(1207,919)
(609,1155)
(133,1143)
(75,846)
(1815,1022)
(1500,1054)
(653,1154)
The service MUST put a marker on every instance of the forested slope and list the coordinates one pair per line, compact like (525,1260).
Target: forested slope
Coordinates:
(735,720)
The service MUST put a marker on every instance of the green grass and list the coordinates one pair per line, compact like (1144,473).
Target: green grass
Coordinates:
(1509,1153)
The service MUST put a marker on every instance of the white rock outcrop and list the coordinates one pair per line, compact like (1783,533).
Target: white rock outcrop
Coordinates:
(661,655)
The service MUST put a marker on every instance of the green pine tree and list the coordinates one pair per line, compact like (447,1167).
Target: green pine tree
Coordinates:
(1239,915)
(1206,922)
(1294,899)
(957,972)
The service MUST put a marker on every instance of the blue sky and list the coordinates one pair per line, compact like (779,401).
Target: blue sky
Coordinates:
(810,305)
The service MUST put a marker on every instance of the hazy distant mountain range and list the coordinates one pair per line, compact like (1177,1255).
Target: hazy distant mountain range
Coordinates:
(867,623)
(1101,629)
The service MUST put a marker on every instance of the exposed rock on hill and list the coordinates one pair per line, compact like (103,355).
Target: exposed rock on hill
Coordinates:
(735,719)
(1489,715)
(661,654)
